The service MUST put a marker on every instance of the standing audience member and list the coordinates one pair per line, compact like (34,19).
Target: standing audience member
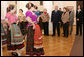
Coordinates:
(71,19)
(45,19)
(56,20)
(79,21)
(65,20)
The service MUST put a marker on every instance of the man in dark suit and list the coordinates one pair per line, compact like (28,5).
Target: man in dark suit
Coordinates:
(56,20)
(79,21)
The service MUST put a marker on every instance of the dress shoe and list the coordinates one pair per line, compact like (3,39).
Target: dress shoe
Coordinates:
(76,34)
(58,35)
(80,34)
(53,35)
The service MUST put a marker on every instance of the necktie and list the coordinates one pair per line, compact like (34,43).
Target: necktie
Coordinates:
(55,11)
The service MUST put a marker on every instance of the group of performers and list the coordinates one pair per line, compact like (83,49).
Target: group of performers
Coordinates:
(21,27)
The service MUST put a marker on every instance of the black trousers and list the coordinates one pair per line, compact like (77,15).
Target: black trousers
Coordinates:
(56,25)
(66,29)
(61,24)
(46,28)
(78,28)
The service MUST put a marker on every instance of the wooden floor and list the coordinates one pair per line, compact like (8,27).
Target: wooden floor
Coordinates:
(54,46)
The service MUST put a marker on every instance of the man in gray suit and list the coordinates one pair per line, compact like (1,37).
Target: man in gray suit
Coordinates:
(71,19)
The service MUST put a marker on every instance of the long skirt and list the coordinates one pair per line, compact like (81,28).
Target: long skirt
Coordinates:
(34,41)
(14,38)
(38,41)
(3,36)
(30,41)
(22,26)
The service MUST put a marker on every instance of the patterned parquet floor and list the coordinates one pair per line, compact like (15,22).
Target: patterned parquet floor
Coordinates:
(53,46)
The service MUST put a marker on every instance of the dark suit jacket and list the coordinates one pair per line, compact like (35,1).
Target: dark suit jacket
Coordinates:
(79,16)
(56,16)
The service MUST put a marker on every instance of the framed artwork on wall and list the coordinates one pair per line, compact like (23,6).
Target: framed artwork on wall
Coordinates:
(70,7)
(52,2)
(41,3)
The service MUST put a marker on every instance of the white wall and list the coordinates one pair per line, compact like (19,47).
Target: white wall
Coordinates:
(21,5)
(4,5)
(3,8)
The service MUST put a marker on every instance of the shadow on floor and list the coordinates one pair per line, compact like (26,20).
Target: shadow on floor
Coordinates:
(77,49)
